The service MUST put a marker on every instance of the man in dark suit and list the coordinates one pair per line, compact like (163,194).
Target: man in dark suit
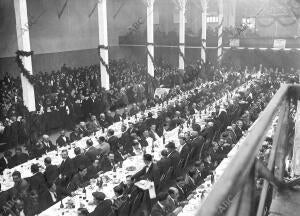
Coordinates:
(37,181)
(53,195)
(51,172)
(80,179)
(197,142)
(183,149)
(107,162)
(46,142)
(117,116)
(5,161)
(150,171)
(162,207)
(174,156)
(103,206)
(62,140)
(66,168)
(80,159)
(112,140)
(91,152)
(164,163)
(19,157)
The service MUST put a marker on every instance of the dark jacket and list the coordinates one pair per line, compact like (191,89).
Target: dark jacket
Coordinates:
(37,182)
(152,174)
(19,159)
(103,208)
(51,173)
(61,142)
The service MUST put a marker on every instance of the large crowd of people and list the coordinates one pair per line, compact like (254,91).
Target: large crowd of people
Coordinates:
(175,175)
(68,96)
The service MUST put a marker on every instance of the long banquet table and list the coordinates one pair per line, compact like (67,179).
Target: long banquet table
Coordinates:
(6,179)
(203,190)
(129,167)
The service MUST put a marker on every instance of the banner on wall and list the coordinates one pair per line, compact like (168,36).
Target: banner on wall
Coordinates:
(279,43)
(234,42)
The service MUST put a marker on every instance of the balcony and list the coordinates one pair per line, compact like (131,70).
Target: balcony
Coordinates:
(233,194)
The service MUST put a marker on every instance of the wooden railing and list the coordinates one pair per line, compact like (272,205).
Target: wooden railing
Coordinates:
(233,194)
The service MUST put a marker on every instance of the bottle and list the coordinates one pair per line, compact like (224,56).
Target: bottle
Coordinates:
(61,205)
(84,191)
(212,178)
(114,168)
(164,139)
(102,129)
(202,194)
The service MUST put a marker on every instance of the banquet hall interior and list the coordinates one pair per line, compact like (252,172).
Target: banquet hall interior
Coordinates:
(149,107)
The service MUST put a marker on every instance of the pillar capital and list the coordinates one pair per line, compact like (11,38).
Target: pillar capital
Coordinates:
(204,5)
(180,4)
(149,3)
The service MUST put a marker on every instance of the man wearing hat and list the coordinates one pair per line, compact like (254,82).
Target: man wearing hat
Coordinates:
(103,206)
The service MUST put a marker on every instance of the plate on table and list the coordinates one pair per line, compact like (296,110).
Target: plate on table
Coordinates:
(131,168)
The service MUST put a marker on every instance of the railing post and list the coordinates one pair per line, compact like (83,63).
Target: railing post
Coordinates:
(279,137)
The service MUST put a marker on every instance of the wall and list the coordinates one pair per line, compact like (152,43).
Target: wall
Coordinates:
(73,37)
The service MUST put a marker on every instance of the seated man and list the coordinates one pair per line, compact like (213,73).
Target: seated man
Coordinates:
(80,159)
(51,172)
(74,135)
(107,163)
(103,206)
(119,200)
(46,142)
(79,180)
(62,140)
(53,195)
(93,170)
(5,161)
(21,185)
(91,152)
(37,181)
(173,198)
(19,157)
(104,147)
(162,206)
(164,163)
(93,125)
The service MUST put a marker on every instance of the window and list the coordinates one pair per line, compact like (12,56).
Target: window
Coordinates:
(249,22)
(212,19)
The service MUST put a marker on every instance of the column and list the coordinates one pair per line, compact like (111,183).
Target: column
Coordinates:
(182,4)
(150,36)
(220,31)
(203,27)
(296,151)
(22,28)
(103,41)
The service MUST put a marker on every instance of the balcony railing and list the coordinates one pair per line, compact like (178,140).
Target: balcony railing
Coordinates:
(233,193)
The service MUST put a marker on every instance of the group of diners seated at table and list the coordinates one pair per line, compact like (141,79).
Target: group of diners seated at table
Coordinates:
(175,176)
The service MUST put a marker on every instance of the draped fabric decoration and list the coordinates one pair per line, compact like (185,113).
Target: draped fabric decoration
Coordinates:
(101,59)
(149,54)
(181,54)
(274,19)
(203,32)
(24,71)
(220,31)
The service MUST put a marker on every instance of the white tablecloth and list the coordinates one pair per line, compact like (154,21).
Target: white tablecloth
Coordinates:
(111,179)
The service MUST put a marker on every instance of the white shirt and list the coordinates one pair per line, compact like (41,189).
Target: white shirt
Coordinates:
(53,196)
(148,166)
